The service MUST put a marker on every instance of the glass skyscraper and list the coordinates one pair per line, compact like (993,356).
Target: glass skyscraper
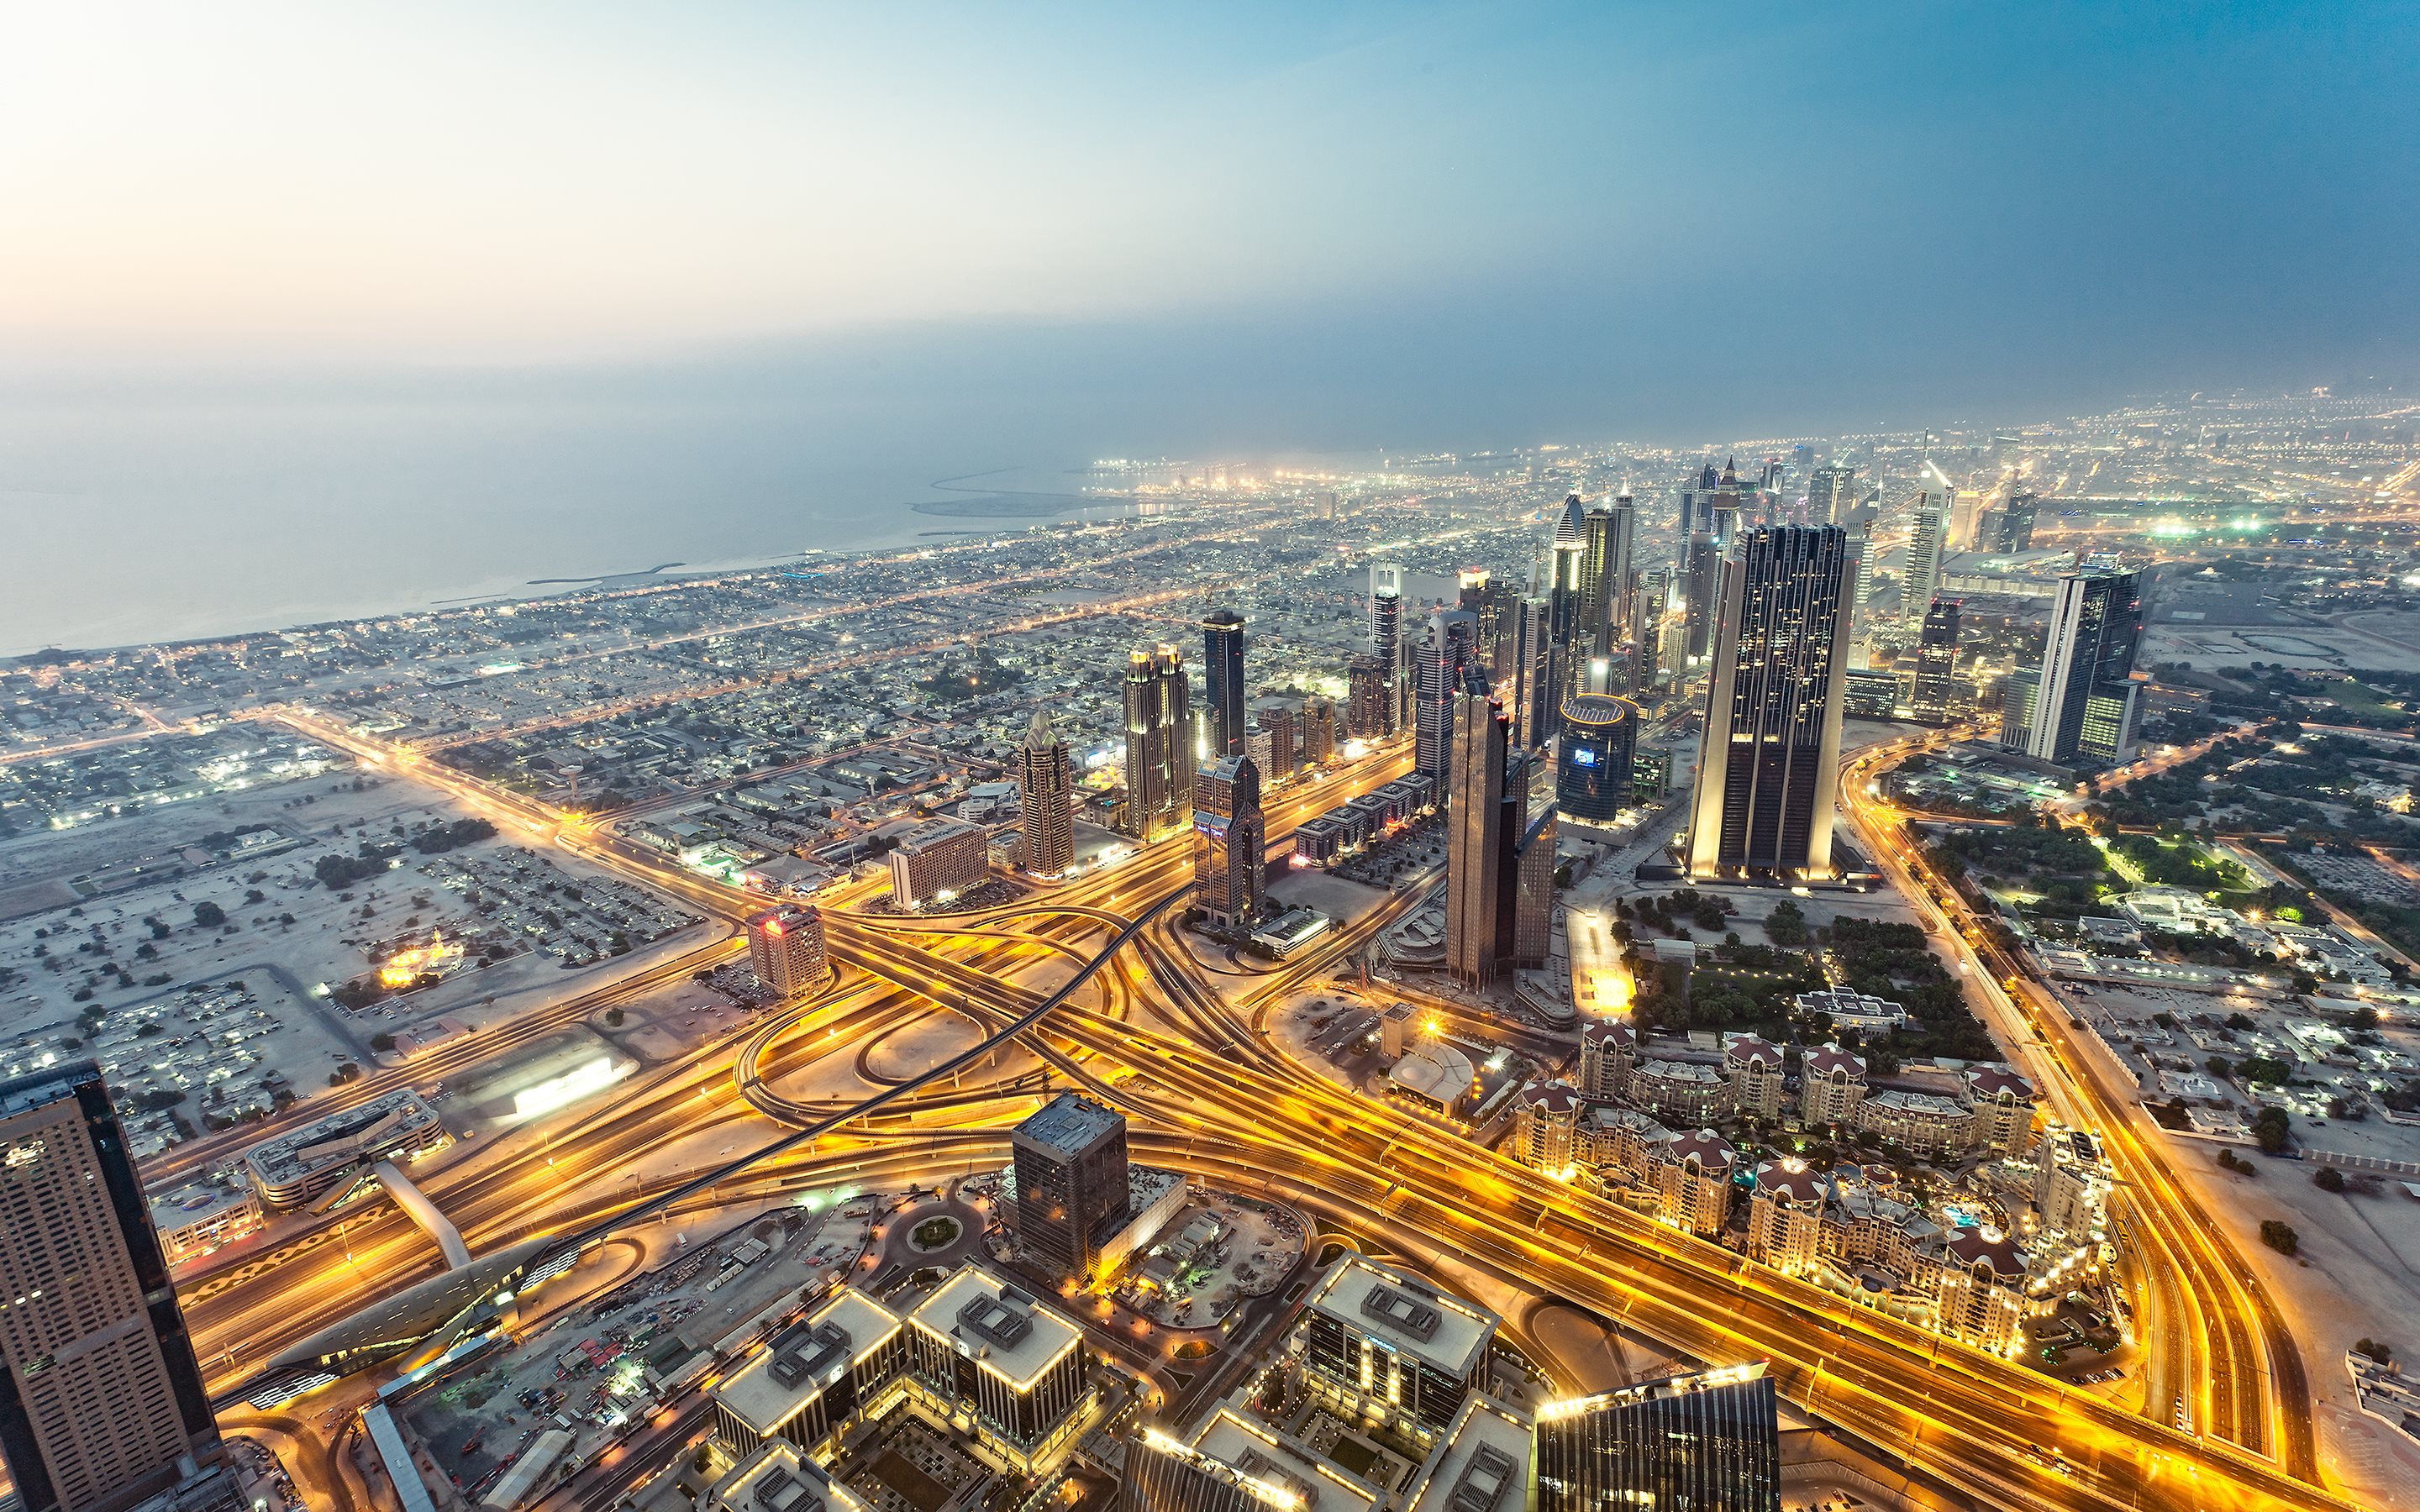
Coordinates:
(1222,682)
(1709,1443)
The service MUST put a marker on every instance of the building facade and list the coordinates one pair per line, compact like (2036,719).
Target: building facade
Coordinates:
(1708,1442)
(938,861)
(2078,707)
(1222,682)
(102,1402)
(1045,786)
(1938,698)
(1159,745)
(1594,760)
(1769,771)
(786,949)
(1230,863)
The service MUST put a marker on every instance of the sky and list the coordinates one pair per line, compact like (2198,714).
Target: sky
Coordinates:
(1282,225)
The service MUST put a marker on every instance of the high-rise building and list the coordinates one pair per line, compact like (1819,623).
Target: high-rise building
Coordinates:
(2016,521)
(1445,659)
(1159,745)
(1274,738)
(786,949)
(1229,878)
(1695,501)
(1650,602)
(1709,1442)
(1533,891)
(1475,839)
(1769,769)
(1566,595)
(1959,509)
(982,1353)
(1388,645)
(1046,784)
(101,1404)
(1529,680)
(1593,762)
(1163,1475)
(1489,602)
(1073,1191)
(938,861)
(1368,698)
(1222,682)
(1937,696)
(1702,572)
(1605,575)
(1926,538)
(1831,493)
(1381,1345)
(1860,527)
(1318,743)
(2080,704)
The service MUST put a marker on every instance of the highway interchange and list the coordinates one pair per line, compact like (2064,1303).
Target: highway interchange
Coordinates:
(1183,1049)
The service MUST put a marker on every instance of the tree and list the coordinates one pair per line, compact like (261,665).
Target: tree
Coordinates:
(2279,1237)
(614,1016)
(208,915)
(381,1041)
(2268,1131)
(2375,1349)
(2329,1179)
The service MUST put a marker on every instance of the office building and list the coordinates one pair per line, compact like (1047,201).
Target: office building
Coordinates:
(1072,1184)
(1230,881)
(1769,770)
(821,1376)
(786,950)
(1380,1345)
(1490,602)
(1710,1442)
(1650,606)
(1694,503)
(1605,575)
(1391,647)
(2013,526)
(1957,511)
(775,1477)
(1533,890)
(2078,707)
(1318,735)
(1567,563)
(1222,682)
(1273,739)
(2071,1186)
(1163,1475)
(1861,575)
(1446,660)
(1938,698)
(101,1404)
(1159,745)
(1368,699)
(998,1366)
(1927,537)
(1530,682)
(1592,763)
(1475,819)
(1831,493)
(938,861)
(1045,785)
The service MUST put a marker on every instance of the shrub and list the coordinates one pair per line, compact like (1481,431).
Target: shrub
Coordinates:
(2329,1179)
(2269,1130)
(2279,1237)
(2375,1349)
(381,1041)
(208,915)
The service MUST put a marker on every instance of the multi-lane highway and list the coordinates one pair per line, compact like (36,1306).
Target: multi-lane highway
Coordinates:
(1176,1043)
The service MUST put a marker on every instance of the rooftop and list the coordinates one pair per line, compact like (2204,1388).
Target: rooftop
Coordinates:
(1482,1465)
(1271,1457)
(1070,1125)
(1387,1305)
(805,1358)
(987,1320)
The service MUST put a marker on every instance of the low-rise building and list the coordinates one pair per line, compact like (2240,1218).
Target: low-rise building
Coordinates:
(1608,1050)
(1693,1173)
(1682,1091)
(1753,1069)
(1379,1344)
(1831,1084)
(999,1367)
(1545,1127)
(817,1377)
(2004,1108)
(1919,1122)
(195,1221)
(1785,1216)
(293,1168)
(938,860)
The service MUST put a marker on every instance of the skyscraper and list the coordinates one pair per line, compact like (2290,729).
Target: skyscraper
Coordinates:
(1073,1191)
(1936,664)
(2080,704)
(1045,785)
(1768,771)
(2016,521)
(1709,1442)
(102,1402)
(1475,839)
(1229,878)
(786,949)
(1444,658)
(1925,539)
(1831,493)
(1159,745)
(1317,745)
(1531,681)
(1566,596)
(1605,575)
(1222,682)
(1368,698)
(1387,643)
(1592,762)
(1860,527)
(1533,884)
(1695,501)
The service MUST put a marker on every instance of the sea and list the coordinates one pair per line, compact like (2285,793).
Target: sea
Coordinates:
(167,517)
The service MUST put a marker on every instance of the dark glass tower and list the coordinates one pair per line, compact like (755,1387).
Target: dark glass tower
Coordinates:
(1072,1190)
(1229,877)
(2080,706)
(1475,839)
(1768,771)
(1445,659)
(1710,1442)
(102,1402)
(1222,682)
(1936,663)
(1593,779)
(2016,521)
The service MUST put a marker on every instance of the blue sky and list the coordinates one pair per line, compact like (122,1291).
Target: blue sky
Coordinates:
(1339,224)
